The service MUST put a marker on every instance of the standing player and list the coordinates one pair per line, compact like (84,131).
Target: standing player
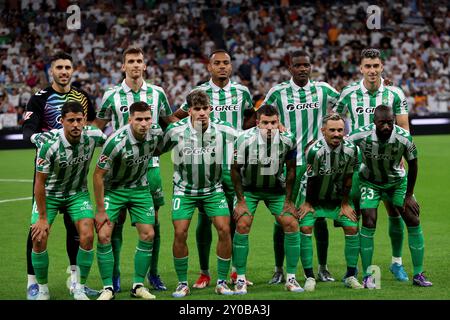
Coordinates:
(229,101)
(62,167)
(330,162)
(115,108)
(257,174)
(43,113)
(382,175)
(200,144)
(120,181)
(302,103)
(360,99)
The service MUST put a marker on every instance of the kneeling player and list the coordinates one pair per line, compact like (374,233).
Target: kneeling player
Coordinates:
(330,165)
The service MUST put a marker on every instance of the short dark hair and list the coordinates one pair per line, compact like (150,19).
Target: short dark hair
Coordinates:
(382,109)
(197,97)
(71,106)
(267,110)
(371,53)
(131,50)
(332,117)
(219,51)
(299,53)
(61,55)
(139,106)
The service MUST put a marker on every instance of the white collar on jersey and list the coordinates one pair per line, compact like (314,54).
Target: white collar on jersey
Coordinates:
(127,89)
(216,88)
(274,140)
(297,88)
(365,90)
(194,131)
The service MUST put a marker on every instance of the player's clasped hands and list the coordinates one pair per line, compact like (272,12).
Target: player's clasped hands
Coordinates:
(39,229)
(348,211)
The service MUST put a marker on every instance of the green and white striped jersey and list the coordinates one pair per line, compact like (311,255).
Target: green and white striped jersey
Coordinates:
(381,161)
(117,100)
(361,104)
(126,158)
(67,165)
(262,160)
(198,156)
(331,166)
(302,109)
(228,103)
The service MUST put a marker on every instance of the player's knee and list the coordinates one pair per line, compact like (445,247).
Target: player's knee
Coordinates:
(350,231)
(243,226)
(104,237)
(306,229)
(181,234)
(411,220)
(290,225)
(147,235)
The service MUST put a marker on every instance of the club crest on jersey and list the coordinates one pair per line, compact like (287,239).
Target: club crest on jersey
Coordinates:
(103,159)
(40,162)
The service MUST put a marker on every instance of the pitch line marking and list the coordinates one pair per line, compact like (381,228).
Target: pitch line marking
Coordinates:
(17,199)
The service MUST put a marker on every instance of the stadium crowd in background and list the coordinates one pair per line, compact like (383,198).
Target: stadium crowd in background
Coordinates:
(177,38)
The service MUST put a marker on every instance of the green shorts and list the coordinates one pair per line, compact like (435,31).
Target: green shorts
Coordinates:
(372,194)
(228,187)
(273,202)
(78,207)
(330,211)
(155,185)
(300,183)
(137,201)
(214,205)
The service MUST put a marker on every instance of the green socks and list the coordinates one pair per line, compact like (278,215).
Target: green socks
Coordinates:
(352,246)
(396,235)
(181,268)
(223,267)
(306,250)
(116,243)
(278,244)
(105,260)
(40,265)
(240,252)
(155,254)
(84,262)
(292,251)
(366,248)
(203,236)
(142,260)
(416,246)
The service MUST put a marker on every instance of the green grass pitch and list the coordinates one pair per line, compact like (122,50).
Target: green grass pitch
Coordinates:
(432,192)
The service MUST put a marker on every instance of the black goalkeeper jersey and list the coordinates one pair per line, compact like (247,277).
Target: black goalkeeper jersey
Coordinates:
(43,111)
